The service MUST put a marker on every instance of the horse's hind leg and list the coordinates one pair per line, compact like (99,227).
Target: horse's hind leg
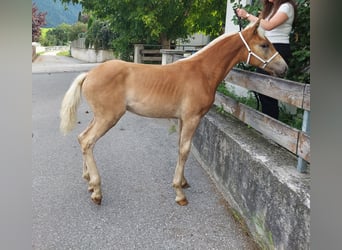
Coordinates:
(85,173)
(87,139)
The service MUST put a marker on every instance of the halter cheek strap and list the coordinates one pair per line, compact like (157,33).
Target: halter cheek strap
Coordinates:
(251,53)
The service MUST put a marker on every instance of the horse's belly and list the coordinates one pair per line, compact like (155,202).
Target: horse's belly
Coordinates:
(153,109)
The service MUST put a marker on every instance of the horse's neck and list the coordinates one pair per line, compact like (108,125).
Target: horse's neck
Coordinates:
(219,57)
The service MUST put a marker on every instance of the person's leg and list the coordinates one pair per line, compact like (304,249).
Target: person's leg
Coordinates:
(269,105)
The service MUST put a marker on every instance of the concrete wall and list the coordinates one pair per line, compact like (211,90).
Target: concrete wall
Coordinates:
(90,55)
(258,179)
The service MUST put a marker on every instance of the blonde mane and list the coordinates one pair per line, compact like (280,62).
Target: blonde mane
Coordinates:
(261,32)
(209,45)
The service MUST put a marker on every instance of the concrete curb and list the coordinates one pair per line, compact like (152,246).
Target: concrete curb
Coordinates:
(46,68)
(258,179)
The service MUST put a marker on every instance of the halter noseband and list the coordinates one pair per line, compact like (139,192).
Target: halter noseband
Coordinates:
(250,52)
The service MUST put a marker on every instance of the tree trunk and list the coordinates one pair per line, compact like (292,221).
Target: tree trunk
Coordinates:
(164,41)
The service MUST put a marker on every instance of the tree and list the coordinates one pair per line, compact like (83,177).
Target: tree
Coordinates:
(156,21)
(142,21)
(38,20)
(76,30)
(99,35)
(207,16)
(299,66)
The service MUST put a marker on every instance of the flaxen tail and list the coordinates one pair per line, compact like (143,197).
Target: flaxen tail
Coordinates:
(70,103)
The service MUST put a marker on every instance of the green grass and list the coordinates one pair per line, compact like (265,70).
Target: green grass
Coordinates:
(64,53)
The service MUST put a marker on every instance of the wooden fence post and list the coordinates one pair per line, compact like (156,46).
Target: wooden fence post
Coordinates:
(137,54)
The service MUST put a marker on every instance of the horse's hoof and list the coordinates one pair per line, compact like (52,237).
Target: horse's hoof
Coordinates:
(183,202)
(96,199)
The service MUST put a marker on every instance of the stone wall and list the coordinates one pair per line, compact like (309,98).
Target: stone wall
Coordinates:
(259,180)
(91,55)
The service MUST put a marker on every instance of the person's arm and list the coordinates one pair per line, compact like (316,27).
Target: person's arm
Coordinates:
(275,21)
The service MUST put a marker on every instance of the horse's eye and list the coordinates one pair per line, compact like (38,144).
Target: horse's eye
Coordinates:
(264,46)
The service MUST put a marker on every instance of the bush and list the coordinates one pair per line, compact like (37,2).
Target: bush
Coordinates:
(62,34)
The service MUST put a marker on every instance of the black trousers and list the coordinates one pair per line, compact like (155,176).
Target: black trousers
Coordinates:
(269,105)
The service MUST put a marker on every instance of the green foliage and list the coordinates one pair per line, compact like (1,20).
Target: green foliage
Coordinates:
(99,35)
(299,39)
(207,16)
(43,32)
(151,21)
(57,36)
(264,236)
(62,34)
(293,120)
(299,65)
(253,9)
(155,21)
(250,100)
(77,30)
(64,53)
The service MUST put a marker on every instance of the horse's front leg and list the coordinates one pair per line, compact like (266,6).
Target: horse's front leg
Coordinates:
(85,173)
(187,129)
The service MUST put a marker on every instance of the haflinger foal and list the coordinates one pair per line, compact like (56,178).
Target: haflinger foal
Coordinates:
(184,90)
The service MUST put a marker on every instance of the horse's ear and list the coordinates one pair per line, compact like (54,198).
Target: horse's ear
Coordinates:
(256,26)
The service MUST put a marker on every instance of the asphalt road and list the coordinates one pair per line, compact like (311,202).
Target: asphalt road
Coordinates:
(136,160)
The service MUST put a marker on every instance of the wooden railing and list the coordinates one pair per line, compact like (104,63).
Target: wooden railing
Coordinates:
(147,54)
(290,92)
(293,93)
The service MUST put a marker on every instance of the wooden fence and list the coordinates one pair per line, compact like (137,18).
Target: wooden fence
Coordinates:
(290,92)
(147,54)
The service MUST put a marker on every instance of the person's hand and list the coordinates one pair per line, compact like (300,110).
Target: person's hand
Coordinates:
(242,13)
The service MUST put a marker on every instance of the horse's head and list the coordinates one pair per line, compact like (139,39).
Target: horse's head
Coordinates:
(260,52)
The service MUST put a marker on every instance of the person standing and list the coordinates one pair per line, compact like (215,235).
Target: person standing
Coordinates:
(277,17)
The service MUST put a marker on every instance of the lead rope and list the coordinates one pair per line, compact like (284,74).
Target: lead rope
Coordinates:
(239,19)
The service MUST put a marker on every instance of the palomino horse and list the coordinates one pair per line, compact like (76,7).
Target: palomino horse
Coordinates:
(184,89)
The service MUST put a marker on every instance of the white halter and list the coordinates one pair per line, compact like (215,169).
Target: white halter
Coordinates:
(250,52)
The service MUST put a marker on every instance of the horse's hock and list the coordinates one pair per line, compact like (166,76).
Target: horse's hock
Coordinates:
(258,179)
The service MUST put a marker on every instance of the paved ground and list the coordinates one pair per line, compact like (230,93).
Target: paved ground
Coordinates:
(136,161)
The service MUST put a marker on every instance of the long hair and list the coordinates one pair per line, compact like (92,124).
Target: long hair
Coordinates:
(269,9)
